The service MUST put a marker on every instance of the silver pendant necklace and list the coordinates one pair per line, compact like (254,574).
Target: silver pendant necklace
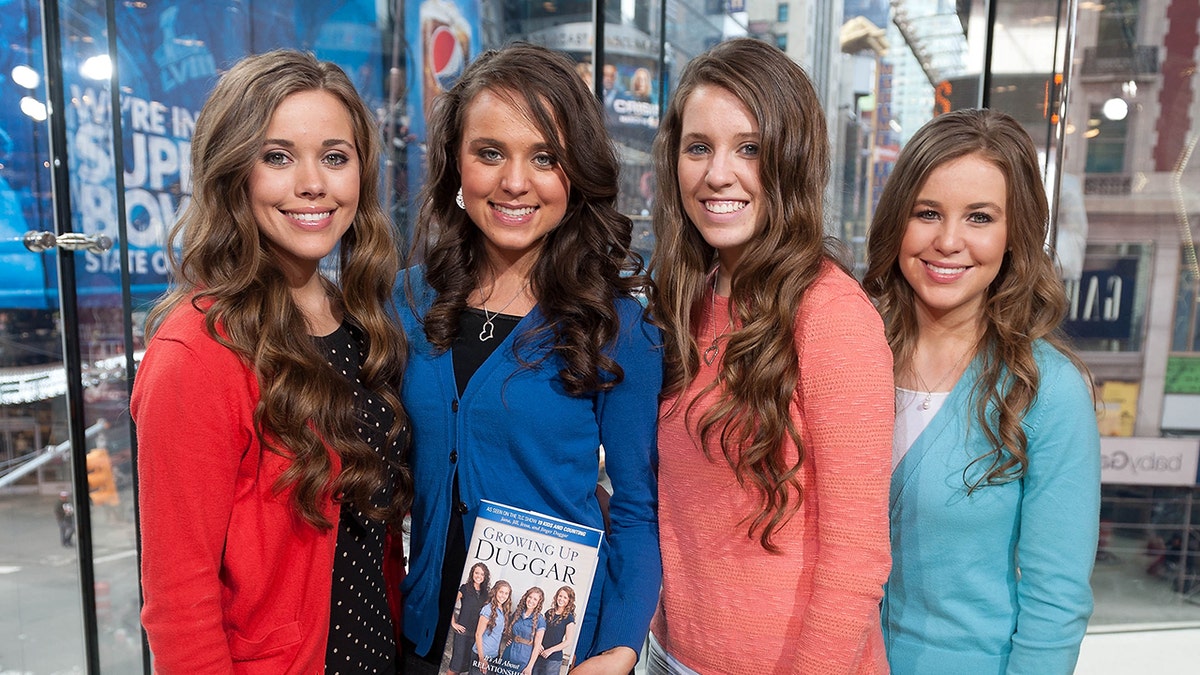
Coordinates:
(488,331)
(712,350)
(928,391)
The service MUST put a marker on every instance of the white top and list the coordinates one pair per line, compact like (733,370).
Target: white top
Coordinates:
(912,418)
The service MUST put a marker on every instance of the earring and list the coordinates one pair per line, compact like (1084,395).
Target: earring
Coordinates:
(458,199)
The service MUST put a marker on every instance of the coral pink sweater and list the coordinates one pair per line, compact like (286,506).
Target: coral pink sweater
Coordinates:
(729,606)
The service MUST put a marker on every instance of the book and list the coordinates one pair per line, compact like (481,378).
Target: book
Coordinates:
(537,571)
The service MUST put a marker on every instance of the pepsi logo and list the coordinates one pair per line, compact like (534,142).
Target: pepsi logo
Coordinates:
(445,57)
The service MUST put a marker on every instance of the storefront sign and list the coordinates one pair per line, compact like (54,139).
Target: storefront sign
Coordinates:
(1102,301)
(1149,461)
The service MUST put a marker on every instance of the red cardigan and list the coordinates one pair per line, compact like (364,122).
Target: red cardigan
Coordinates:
(234,581)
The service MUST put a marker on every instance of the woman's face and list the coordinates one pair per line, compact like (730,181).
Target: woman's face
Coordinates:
(502,593)
(304,186)
(718,171)
(477,575)
(514,188)
(561,599)
(532,601)
(640,84)
(955,238)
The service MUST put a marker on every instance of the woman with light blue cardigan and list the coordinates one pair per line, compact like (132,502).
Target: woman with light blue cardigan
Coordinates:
(995,488)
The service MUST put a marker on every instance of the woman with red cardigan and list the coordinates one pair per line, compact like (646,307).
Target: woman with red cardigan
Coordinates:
(270,432)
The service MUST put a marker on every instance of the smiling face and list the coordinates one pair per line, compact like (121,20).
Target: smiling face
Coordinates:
(533,601)
(477,575)
(718,171)
(955,239)
(561,599)
(304,186)
(513,186)
(502,593)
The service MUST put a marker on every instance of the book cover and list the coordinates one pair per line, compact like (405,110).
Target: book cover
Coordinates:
(523,593)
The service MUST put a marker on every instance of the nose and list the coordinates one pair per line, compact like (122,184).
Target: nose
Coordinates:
(720,171)
(515,180)
(310,180)
(949,237)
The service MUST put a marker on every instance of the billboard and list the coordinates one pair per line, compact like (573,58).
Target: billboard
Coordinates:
(169,55)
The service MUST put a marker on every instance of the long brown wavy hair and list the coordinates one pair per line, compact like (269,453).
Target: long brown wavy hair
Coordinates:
(585,262)
(495,606)
(519,612)
(552,614)
(231,273)
(759,373)
(1026,301)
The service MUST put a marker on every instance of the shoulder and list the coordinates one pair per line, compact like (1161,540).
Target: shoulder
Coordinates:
(413,297)
(186,327)
(1061,384)
(833,284)
(635,321)
(835,305)
(836,294)
(631,310)
(184,363)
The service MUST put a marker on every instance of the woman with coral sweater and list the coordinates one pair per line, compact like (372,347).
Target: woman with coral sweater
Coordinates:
(776,421)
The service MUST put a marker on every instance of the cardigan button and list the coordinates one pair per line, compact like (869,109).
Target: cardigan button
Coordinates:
(461,507)
(453,456)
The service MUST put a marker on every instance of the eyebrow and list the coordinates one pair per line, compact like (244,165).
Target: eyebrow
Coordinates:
(327,143)
(746,136)
(973,205)
(477,142)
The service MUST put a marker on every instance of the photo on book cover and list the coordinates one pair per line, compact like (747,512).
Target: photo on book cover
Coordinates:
(524,591)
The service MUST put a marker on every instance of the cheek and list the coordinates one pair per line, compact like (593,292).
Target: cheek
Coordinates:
(688,176)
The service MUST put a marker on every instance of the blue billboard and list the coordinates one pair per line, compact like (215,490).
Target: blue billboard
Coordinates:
(169,55)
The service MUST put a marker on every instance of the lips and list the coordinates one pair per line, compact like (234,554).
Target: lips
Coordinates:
(945,272)
(723,206)
(514,212)
(308,216)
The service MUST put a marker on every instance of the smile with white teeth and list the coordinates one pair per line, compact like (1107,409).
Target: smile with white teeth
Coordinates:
(310,217)
(514,213)
(945,270)
(724,206)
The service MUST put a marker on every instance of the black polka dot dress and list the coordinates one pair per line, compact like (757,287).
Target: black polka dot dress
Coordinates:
(361,638)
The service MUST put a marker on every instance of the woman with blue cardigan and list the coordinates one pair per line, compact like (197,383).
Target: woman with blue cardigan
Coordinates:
(995,488)
(528,348)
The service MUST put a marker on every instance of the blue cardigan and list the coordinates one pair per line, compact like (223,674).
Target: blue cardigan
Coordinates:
(517,438)
(996,581)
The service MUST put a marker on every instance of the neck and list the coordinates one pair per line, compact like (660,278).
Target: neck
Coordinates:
(723,277)
(320,312)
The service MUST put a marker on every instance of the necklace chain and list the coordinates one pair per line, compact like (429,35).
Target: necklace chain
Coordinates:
(929,391)
(488,331)
(712,350)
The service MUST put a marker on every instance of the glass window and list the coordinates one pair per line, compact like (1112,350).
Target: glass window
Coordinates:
(1118,159)
(1107,127)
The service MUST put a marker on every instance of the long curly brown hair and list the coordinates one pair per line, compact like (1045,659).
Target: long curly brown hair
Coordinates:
(552,614)
(496,607)
(520,611)
(230,273)
(1026,302)
(585,263)
(759,373)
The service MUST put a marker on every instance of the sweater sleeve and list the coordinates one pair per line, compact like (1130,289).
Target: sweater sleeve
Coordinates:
(628,424)
(1059,525)
(193,427)
(847,408)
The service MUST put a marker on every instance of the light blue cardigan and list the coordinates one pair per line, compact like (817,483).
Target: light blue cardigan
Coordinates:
(518,438)
(996,581)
